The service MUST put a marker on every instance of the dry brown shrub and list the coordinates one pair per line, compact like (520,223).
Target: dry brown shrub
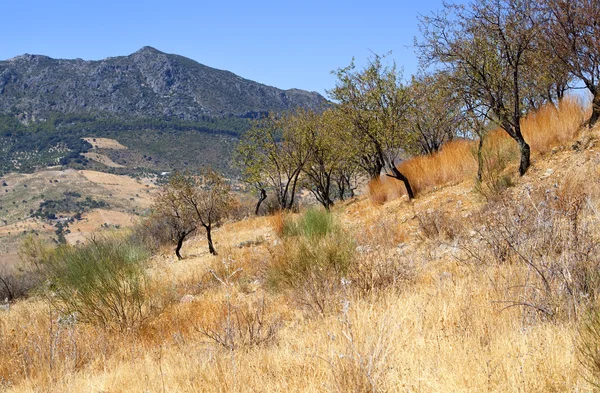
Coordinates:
(550,236)
(553,126)
(456,161)
(378,192)
(361,361)
(452,164)
(438,225)
(240,324)
(277,221)
(381,263)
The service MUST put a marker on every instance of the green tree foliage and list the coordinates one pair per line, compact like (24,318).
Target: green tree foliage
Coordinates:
(188,202)
(176,216)
(375,103)
(273,153)
(436,112)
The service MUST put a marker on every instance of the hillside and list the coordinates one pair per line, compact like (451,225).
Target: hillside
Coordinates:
(457,290)
(145,84)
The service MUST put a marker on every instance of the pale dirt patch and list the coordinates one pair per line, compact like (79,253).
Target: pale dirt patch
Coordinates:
(102,159)
(105,143)
(8,261)
(123,187)
(31,224)
(94,220)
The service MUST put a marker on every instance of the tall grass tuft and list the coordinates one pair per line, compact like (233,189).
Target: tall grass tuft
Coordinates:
(313,224)
(102,283)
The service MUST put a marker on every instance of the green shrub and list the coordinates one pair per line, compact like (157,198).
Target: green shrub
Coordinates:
(313,224)
(102,283)
(312,260)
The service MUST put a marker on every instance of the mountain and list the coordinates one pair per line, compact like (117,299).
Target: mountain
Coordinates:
(145,84)
(172,113)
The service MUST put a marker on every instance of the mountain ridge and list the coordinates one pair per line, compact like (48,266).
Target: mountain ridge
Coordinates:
(146,83)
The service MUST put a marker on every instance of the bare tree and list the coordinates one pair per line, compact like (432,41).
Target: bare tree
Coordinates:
(492,48)
(574,37)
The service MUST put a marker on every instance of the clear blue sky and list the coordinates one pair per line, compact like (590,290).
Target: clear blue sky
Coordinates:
(280,43)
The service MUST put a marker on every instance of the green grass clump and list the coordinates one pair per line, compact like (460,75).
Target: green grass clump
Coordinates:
(314,256)
(313,224)
(102,282)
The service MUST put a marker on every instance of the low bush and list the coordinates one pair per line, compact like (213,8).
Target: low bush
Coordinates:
(312,259)
(102,283)
(313,224)
(551,240)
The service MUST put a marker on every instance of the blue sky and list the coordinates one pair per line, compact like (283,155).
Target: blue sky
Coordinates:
(280,43)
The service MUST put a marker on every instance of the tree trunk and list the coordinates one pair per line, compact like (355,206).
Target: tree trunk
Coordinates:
(211,247)
(525,156)
(398,175)
(480,160)
(263,196)
(180,240)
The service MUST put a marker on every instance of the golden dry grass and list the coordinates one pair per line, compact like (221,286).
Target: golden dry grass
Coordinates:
(550,127)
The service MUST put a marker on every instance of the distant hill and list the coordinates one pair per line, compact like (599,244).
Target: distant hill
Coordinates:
(163,106)
(147,83)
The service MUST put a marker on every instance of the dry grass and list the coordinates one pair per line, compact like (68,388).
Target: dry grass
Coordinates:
(553,126)
(544,130)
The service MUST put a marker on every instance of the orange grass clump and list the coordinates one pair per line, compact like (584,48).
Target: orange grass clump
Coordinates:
(545,129)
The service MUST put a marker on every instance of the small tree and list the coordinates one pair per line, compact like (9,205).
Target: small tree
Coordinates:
(375,102)
(272,153)
(176,216)
(574,37)
(188,202)
(435,116)
(211,200)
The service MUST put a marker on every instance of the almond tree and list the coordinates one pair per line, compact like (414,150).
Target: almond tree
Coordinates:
(210,198)
(175,215)
(375,102)
(188,202)
(272,153)
(436,114)
(492,48)
(573,34)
